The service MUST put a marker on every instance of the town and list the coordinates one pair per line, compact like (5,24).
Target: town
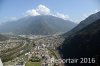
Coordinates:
(29,50)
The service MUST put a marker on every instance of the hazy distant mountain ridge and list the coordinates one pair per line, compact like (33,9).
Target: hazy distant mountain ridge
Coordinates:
(39,25)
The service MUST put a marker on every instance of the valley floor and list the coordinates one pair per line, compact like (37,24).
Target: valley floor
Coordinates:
(31,52)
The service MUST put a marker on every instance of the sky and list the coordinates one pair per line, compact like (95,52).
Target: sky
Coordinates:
(74,10)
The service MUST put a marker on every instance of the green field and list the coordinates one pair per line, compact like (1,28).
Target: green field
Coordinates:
(33,64)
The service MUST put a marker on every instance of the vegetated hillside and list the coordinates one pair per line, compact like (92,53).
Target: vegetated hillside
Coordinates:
(38,25)
(2,38)
(83,24)
(84,44)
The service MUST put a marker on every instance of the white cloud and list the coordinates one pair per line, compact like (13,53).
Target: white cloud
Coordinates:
(43,10)
(84,16)
(32,12)
(60,15)
(40,10)
(96,10)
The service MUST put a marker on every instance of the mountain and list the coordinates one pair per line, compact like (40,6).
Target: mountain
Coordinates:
(2,37)
(83,24)
(84,44)
(38,25)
